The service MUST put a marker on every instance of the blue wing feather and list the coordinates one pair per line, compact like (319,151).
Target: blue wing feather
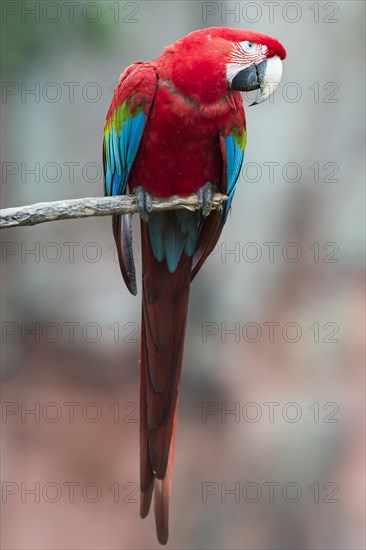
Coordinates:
(120,153)
(234,162)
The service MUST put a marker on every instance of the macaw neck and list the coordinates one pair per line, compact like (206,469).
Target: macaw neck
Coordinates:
(201,80)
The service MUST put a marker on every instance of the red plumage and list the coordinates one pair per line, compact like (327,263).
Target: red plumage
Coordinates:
(180,151)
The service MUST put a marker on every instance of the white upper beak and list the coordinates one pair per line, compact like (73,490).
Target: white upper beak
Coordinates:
(270,80)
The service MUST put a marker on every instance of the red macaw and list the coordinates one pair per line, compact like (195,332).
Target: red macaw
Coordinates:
(176,126)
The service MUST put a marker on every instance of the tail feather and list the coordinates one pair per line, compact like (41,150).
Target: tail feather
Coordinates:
(162,494)
(147,478)
(164,316)
(123,237)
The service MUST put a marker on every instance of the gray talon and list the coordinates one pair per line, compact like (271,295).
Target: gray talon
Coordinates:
(148,202)
(205,195)
(144,202)
(200,197)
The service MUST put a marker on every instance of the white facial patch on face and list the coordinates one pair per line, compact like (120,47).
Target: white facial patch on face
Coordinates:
(244,54)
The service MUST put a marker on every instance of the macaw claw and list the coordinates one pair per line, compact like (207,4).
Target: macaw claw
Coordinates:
(205,196)
(144,202)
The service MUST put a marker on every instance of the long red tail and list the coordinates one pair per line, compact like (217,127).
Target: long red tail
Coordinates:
(164,316)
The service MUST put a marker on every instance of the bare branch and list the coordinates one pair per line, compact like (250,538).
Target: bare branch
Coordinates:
(95,206)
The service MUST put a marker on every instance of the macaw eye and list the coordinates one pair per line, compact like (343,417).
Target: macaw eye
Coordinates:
(249,46)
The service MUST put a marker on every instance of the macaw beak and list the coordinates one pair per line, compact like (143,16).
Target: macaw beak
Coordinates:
(265,76)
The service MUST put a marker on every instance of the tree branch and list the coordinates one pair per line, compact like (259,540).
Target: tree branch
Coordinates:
(99,206)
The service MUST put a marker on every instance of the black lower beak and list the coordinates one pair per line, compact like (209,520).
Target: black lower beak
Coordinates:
(250,78)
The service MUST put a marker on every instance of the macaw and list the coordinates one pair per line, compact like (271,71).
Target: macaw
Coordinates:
(176,126)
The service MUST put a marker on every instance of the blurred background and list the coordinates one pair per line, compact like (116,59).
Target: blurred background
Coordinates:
(270,441)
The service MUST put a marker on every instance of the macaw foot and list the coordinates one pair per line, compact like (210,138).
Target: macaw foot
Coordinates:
(144,202)
(205,195)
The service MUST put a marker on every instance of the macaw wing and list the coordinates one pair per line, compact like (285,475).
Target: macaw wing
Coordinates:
(232,149)
(125,123)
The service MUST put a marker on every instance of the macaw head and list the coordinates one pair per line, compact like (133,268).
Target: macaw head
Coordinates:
(208,62)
